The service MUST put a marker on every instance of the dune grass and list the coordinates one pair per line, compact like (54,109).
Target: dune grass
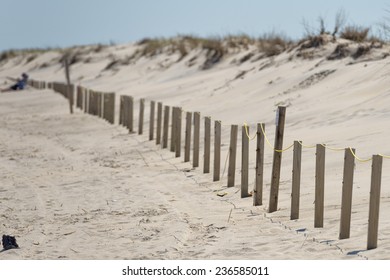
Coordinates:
(355,33)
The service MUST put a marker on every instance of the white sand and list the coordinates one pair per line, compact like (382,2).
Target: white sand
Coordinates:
(75,187)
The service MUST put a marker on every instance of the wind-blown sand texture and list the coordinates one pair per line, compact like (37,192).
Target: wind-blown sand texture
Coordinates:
(76,187)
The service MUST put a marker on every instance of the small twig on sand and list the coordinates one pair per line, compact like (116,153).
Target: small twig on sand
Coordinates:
(230,214)
(178,239)
(74,250)
(304,240)
(142,158)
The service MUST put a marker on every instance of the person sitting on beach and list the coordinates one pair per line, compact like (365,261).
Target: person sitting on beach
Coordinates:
(19,85)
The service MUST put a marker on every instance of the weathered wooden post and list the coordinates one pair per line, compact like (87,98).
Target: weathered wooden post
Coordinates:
(375,194)
(244,162)
(109,107)
(277,160)
(130,114)
(82,92)
(95,103)
(78,96)
(232,155)
(102,104)
(86,100)
(159,122)
(195,157)
(296,181)
(151,123)
(346,200)
(207,144)
(121,109)
(125,114)
(141,116)
(319,186)
(99,96)
(173,128)
(69,86)
(178,132)
(91,102)
(187,146)
(217,150)
(258,189)
(165,127)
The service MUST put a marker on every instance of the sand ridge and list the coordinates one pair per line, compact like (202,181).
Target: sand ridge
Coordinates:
(75,187)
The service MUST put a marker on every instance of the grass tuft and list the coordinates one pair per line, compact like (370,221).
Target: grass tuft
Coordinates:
(355,33)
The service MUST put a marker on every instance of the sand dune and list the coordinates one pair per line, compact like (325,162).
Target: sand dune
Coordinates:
(75,187)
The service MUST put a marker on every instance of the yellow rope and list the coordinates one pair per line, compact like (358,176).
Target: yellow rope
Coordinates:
(358,158)
(307,146)
(272,147)
(247,132)
(283,150)
(333,149)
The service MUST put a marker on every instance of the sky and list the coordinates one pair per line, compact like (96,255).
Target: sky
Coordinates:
(63,23)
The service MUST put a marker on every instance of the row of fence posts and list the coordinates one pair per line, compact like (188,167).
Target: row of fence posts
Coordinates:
(103,104)
(96,103)
(37,84)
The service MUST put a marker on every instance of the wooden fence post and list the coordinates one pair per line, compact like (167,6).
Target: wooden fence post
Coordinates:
(102,104)
(109,107)
(90,101)
(165,127)
(217,150)
(141,116)
(277,159)
(207,144)
(195,157)
(99,110)
(173,128)
(319,186)
(151,123)
(96,103)
(258,189)
(244,161)
(296,181)
(178,133)
(125,114)
(187,146)
(159,122)
(375,194)
(69,86)
(86,100)
(346,200)
(130,114)
(232,155)
(121,109)
(78,97)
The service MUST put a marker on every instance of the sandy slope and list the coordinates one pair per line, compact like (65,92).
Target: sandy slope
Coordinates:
(76,187)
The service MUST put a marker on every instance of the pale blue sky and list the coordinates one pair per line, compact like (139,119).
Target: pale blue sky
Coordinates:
(59,23)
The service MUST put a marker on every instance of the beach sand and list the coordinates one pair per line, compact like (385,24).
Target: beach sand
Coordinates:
(76,187)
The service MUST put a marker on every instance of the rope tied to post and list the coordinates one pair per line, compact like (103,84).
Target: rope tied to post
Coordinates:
(330,148)
(306,146)
(247,132)
(271,146)
(358,158)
